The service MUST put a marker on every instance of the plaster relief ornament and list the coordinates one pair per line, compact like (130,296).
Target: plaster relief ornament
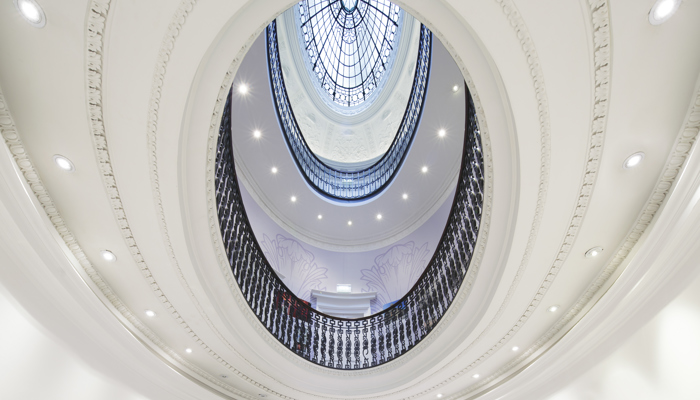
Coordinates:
(395,272)
(292,260)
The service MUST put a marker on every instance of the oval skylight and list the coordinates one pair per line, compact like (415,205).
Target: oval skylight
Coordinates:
(350,45)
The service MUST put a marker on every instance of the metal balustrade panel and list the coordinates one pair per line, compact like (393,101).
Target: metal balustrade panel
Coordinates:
(352,344)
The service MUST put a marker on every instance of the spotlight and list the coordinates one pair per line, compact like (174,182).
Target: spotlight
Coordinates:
(31,12)
(63,163)
(633,160)
(108,256)
(662,11)
(594,252)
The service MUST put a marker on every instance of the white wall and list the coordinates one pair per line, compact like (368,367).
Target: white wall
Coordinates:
(661,361)
(34,365)
(390,271)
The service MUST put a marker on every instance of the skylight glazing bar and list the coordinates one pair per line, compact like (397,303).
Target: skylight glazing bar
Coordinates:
(349,48)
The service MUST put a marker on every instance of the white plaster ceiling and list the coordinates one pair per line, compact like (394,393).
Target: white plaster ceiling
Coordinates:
(131,92)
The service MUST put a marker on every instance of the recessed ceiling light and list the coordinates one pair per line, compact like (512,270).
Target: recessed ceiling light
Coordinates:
(188,350)
(150,313)
(442,133)
(294,199)
(108,256)
(320,216)
(349,222)
(662,11)
(516,348)
(405,196)
(30,10)
(633,160)
(475,376)
(379,216)
(594,252)
(439,395)
(63,163)
(257,134)
(243,88)
(274,170)
(424,169)
(455,88)
(553,308)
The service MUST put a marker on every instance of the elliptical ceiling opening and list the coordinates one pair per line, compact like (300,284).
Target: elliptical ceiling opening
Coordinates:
(350,45)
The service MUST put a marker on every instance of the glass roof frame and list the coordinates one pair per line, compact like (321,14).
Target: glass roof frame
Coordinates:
(349,49)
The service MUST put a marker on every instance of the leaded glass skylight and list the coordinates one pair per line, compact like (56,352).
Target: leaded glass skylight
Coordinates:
(350,45)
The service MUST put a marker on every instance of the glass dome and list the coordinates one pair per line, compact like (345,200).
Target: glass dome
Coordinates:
(350,44)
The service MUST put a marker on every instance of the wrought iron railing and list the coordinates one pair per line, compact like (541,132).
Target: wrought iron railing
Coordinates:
(352,344)
(332,182)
